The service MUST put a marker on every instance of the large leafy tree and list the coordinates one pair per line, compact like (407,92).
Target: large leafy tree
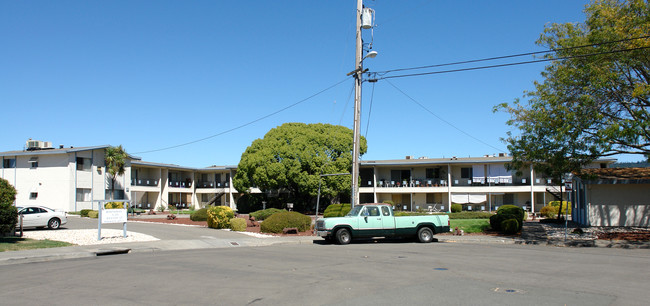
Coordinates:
(115,160)
(291,158)
(593,101)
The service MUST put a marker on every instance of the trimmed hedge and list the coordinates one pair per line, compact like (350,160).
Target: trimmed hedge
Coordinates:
(84,212)
(456,208)
(199,215)
(471,215)
(263,214)
(238,224)
(93,214)
(279,221)
(219,216)
(510,226)
(565,205)
(336,210)
(549,211)
(512,210)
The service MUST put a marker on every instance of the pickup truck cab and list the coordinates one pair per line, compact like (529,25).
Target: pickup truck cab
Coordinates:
(378,220)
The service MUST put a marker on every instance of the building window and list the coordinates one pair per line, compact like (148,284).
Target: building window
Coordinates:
(33,162)
(508,198)
(33,195)
(83,164)
(433,173)
(83,195)
(9,163)
(466,173)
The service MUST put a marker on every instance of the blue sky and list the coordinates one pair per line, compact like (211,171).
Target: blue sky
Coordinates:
(154,74)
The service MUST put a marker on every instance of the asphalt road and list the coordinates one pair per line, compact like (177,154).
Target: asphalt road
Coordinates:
(161,231)
(365,273)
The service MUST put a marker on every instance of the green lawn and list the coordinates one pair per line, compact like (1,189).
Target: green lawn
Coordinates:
(19,244)
(471,225)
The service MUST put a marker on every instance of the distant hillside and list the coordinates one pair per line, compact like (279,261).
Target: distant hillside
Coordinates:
(640,164)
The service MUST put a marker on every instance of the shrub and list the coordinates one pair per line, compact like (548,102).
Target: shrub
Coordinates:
(200,215)
(510,226)
(496,220)
(93,214)
(263,214)
(456,208)
(549,211)
(114,205)
(238,224)
(336,210)
(512,210)
(279,221)
(219,216)
(565,205)
(84,212)
(470,215)
(8,213)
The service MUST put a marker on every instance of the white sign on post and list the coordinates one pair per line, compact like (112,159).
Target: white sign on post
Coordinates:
(113,216)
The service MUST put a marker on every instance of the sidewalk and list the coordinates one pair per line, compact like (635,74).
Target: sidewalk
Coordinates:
(52,254)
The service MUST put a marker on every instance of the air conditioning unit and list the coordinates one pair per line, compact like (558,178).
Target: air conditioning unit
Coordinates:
(38,145)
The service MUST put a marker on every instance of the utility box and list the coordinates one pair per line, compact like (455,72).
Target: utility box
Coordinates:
(367,18)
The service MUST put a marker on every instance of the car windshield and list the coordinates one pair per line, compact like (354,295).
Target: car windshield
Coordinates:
(355,211)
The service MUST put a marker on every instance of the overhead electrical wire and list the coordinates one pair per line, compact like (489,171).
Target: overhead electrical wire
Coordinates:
(511,56)
(372,98)
(504,65)
(245,124)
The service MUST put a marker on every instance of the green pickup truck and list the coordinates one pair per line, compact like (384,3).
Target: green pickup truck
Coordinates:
(377,220)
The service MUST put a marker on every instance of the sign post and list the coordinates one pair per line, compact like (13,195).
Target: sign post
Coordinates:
(111,215)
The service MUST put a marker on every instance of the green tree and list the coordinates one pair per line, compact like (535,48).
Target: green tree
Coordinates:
(8,212)
(115,160)
(291,158)
(593,101)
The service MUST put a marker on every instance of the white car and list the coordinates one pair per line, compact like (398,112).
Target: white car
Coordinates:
(40,216)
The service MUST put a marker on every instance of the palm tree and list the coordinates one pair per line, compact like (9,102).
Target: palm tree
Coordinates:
(115,159)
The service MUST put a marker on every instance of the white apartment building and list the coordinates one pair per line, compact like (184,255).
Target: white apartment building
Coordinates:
(478,184)
(72,179)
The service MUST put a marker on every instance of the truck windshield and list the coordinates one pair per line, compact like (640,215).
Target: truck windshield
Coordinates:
(355,211)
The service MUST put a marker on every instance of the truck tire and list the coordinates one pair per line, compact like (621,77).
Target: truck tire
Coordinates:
(425,235)
(343,236)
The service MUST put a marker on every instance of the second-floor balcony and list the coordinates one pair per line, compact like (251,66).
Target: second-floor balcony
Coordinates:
(210,184)
(180,184)
(144,182)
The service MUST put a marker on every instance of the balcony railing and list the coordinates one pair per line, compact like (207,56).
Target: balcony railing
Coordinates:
(144,182)
(407,183)
(178,184)
(209,184)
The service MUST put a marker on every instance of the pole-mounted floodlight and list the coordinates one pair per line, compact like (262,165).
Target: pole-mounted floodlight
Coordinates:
(371,54)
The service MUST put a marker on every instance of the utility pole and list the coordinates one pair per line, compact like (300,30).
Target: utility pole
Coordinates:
(357,109)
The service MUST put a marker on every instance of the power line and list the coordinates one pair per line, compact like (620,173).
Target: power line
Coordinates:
(245,124)
(508,64)
(443,120)
(372,98)
(510,56)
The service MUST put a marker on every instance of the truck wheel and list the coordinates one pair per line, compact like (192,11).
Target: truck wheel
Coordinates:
(343,236)
(425,235)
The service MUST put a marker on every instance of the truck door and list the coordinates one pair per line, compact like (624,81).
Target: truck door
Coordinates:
(387,220)
(370,225)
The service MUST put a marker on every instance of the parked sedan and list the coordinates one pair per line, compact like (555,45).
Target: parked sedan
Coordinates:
(40,216)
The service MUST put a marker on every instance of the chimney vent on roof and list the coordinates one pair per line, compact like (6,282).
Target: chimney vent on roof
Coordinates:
(502,154)
(60,146)
(409,156)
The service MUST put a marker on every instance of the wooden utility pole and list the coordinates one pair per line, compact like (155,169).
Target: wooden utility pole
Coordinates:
(357,109)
